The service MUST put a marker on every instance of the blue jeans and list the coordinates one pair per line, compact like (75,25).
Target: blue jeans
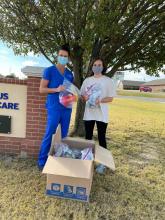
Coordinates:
(54,118)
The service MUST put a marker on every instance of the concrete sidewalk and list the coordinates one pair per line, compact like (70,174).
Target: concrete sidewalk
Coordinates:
(147,99)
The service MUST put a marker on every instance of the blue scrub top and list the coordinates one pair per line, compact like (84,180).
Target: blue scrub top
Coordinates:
(55,79)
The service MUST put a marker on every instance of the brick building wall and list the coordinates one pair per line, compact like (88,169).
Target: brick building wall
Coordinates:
(158,88)
(35,120)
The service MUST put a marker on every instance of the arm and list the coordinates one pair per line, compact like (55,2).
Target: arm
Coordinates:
(111,92)
(106,99)
(44,87)
(83,96)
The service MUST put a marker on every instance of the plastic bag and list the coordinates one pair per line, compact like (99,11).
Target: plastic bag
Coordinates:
(87,154)
(63,150)
(94,93)
(69,95)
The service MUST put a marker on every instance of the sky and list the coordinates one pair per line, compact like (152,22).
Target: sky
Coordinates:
(11,63)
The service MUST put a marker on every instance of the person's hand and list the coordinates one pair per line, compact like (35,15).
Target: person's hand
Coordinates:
(60,88)
(85,97)
(98,101)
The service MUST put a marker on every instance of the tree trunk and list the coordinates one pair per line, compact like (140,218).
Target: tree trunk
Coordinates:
(79,125)
(77,61)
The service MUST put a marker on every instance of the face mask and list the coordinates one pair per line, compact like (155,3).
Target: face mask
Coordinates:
(97,69)
(62,60)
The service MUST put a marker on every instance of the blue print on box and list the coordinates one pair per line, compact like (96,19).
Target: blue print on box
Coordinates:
(68,189)
(56,190)
(56,187)
(80,191)
(62,195)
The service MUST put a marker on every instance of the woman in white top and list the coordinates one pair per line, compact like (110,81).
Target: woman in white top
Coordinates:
(97,91)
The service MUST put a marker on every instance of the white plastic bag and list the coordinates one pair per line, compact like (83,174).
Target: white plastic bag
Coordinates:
(64,150)
(94,93)
(69,95)
(87,154)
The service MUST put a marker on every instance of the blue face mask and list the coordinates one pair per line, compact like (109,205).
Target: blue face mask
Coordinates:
(62,60)
(97,69)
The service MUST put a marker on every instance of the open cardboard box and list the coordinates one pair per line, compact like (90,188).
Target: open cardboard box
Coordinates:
(72,178)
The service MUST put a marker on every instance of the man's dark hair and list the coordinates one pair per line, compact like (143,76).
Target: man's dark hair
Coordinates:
(65,47)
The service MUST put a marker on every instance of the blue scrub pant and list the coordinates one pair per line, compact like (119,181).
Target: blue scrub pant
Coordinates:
(54,118)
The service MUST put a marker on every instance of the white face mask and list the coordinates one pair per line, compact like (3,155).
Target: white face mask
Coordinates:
(97,69)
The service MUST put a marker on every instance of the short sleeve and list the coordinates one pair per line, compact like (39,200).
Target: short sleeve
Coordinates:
(46,74)
(111,88)
(83,87)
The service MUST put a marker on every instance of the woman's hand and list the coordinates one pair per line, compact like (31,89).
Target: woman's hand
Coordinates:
(60,88)
(85,97)
(98,101)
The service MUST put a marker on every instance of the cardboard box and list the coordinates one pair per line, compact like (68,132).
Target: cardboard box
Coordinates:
(72,178)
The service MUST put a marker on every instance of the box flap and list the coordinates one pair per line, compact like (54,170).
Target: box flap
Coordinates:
(104,157)
(68,167)
(56,138)
(78,142)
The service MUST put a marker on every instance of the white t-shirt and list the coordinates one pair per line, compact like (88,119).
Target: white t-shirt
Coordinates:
(101,112)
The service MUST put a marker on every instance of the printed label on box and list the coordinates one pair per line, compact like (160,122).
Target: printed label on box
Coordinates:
(68,192)
(68,189)
(80,191)
(56,187)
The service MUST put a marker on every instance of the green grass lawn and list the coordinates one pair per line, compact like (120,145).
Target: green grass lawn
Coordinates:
(136,191)
(141,94)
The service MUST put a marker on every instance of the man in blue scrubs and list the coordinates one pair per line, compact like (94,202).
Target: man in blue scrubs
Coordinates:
(51,84)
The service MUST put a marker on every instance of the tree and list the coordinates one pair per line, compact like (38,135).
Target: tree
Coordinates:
(125,33)
(11,75)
